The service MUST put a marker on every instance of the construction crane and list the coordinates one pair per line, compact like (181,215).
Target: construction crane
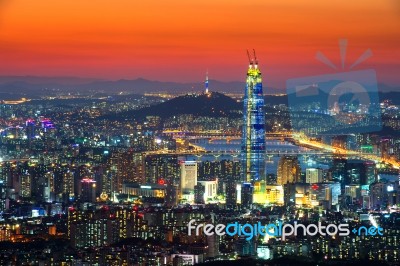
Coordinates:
(255,57)
(251,61)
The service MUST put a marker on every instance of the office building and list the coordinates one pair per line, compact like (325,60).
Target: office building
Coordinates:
(88,190)
(161,166)
(188,176)
(314,175)
(288,170)
(253,130)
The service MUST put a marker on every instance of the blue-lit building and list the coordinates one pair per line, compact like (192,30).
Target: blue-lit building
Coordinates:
(30,129)
(253,132)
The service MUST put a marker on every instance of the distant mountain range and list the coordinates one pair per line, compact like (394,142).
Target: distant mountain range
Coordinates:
(12,87)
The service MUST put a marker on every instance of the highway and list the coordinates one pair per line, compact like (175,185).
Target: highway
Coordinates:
(317,147)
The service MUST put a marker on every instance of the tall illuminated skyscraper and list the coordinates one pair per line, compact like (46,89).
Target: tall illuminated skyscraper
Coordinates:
(253,132)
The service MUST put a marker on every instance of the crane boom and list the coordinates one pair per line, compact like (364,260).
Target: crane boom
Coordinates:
(255,57)
(250,60)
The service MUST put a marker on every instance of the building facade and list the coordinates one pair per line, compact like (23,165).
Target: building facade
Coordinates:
(253,130)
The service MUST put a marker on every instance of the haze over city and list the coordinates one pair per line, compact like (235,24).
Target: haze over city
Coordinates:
(175,133)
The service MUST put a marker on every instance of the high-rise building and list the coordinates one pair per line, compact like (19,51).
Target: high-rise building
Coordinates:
(360,172)
(352,194)
(103,182)
(30,129)
(385,148)
(253,130)
(288,170)
(339,169)
(48,186)
(384,194)
(199,191)
(296,194)
(93,228)
(222,169)
(210,189)
(25,185)
(325,194)
(246,196)
(161,166)
(5,172)
(68,184)
(245,247)
(231,193)
(274,194)
(171,195)
(259,192)
(188,176)
(88,190)
(271,179)
(125,166)
(4,201)
(314,175)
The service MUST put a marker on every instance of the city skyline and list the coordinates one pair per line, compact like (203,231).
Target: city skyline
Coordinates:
(158,41)
(140,133)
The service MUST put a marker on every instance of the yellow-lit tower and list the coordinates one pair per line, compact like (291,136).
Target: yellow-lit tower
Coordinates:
(253,132)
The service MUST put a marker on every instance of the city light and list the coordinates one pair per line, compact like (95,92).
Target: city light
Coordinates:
(144,133)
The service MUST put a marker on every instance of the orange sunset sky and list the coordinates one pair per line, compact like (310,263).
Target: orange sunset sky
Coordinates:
(176,40)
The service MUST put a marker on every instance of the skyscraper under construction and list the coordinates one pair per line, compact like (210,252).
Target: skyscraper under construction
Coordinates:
(253,132)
